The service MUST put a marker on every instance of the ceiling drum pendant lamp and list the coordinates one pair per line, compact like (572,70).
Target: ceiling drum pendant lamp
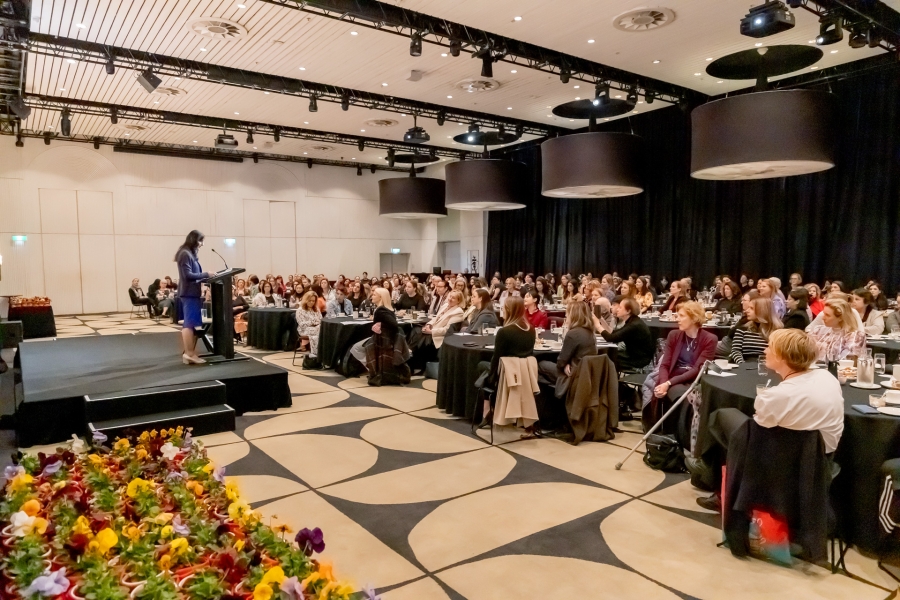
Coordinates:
(592,165)
(486,184)
(411,198)
(764,135)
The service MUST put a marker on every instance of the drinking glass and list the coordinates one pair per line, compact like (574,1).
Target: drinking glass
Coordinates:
(895,331)
(880,364)
(202,313)
(761,369)
(760,387)
(876,400)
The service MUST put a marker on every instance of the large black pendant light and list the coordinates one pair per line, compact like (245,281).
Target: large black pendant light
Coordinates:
(763,135)
(411,198)
(592,165)
(486,184)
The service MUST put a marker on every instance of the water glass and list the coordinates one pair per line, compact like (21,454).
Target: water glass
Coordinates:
(895,332)
(880,364)
(760,387)
(202,313)
(876,400)
(761,369)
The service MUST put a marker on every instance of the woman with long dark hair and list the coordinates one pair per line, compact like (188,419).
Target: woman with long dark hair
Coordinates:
(189,291)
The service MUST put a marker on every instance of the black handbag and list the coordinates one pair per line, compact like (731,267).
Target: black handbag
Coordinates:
(664,454)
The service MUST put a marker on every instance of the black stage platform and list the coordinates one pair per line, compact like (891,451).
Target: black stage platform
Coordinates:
(57,374)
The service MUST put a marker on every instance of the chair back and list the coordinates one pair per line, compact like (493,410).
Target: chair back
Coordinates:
(592,402)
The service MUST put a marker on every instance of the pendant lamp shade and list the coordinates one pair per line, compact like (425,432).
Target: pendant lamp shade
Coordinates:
(763,135)
(411,198)
(486,184)
(592,165)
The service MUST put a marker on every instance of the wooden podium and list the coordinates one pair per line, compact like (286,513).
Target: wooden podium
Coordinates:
(222,316)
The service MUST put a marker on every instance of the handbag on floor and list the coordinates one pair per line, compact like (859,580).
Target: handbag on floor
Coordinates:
(664,454)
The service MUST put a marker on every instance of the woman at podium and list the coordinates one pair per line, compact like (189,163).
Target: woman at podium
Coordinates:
(189,276)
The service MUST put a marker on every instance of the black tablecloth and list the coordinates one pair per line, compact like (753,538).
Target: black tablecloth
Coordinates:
(456,393)
(867,441)
(890,349)
(337,334)
(37,321)
(661,329)
(272,329)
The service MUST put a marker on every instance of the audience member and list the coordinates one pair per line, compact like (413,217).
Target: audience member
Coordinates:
(267,298)
(165,298)
(340,306)
(815,299)
(840,333)
(544,290)
(863,303)
(797,316)
(411,299)
(729,301)
(533,312)
(138,297)
(483,314)
(510,290)
(632,336)
(750,342)
(578,343)
(676,297)
(881,302)
(356,297)
(437,297)
(769,288)
(643,294)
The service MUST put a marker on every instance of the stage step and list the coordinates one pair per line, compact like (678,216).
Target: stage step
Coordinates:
(204,420)
(152,400)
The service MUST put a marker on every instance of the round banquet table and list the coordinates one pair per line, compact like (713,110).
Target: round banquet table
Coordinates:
(884,345)
(37,321)
(337,334)
(272,329)
(867,441)
(456,392)
(661,329)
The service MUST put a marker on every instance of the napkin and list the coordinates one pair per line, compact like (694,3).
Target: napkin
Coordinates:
(723,374)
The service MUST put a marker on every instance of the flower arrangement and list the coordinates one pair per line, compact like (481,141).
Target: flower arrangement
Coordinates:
(149,518)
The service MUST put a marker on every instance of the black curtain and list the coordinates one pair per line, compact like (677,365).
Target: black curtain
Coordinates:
(841,223)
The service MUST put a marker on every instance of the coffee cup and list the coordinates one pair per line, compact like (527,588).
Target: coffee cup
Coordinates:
(892,397)
(896,372)
(722,363)
(845,363)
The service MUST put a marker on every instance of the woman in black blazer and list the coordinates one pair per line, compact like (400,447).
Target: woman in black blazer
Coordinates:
(797,316)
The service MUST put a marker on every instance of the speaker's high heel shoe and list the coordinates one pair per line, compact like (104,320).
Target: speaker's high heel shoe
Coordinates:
(189,360)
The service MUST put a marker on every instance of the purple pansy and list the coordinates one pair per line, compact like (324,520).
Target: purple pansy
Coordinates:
(219,474)
(99,437)
(186,444)
(179,527)
(11,471)
(291,589)
(173,475)
(49,584)
(53,467)
(370,593)
(310,541)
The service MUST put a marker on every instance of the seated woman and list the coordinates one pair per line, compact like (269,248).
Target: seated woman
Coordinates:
(152,290)
(241,286)
(687,349)
(384,325)
(601,308)
(796,317)
(545,292)
(321,302)
(165,298)
(515,338)
(533,312)
(451,312)
(266,298)
(633,336)
(308,321)
(411,299)
(356,296)
(239,308)
(768,289)
(815,299)
(750,342)
(483,314)
(730,301)
(563,284)
(571,290)
(892,321)
(881,302)
(643,294)
(171,284)
(863,303)
(676,297)
(460,286)
(840,334)
(280,288)
(496,289)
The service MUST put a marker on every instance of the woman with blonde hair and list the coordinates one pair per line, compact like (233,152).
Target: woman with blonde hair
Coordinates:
(384,321)
(839,335)
(308,321)
(676,296)
(578,343)
(751,341)
(460,286)
(769,289)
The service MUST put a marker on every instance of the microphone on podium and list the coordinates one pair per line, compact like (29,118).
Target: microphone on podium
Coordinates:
(220,256)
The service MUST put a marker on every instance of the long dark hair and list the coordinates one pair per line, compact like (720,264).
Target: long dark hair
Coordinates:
(191,244)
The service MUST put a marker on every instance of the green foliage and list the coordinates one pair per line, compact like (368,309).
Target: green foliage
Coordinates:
(207,585)
(158,587)
(25,562)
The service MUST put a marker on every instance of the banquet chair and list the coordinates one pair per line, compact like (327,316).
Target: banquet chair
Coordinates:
(301,348)
(141,310)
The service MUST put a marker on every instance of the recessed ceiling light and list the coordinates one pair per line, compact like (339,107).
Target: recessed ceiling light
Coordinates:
(578,97)
(127,134)
(237,113)
(243,6)
(81,26)
(354,33)
(302,68)
(444,54)
(696,74)
(383,85)
(517,18)
(814,67)
(570,120)
(811,42)
(266,93)
(655,62)
(70,61)
(306,122)
(590,41)
(551,116)
(834,51)
(62,89)
(449,137)
(720,81)
(708,59)
(194,142)
(509,108)
(450,97)
(513,71)
(618,95)
(363,130)
(577,86)
(640,101)
(548,106)
(202,49)
(254,147)
(354,158)
(758,44)
(156,102)
(304,153)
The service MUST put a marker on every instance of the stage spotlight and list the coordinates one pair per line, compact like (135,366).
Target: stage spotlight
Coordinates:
(390,157)
(113,116)
(432,154)
(65,123)
(632,96)
(372,169)
(487,61)
(441,116)
(249,136)
(111,66)
(96,143)
(345,101)
(415,44)
(649,97)
(19,142)
(857,39)
(277,135)
(149,80)
(831,30)
(455,47)
(473,127)
(872,37)
(683,104)
(313,105)
(21,110)
(309,163)
(564,75)
(520,129)
(47,136)
(601,94)
(255,159)
(361,145)
(359,170)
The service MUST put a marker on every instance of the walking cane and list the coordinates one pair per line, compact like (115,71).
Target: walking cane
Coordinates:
(707,365)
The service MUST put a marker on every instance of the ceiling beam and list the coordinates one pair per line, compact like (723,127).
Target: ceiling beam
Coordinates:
(133,113)
(14,20)
(441,32)
(95,53)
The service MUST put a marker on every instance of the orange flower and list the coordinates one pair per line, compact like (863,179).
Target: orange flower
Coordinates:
(31,508)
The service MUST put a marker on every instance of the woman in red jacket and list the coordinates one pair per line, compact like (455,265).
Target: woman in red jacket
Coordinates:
(533,312)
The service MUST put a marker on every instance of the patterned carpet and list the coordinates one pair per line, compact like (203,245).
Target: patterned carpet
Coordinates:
(414,505)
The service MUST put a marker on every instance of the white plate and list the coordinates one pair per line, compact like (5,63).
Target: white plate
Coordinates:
(865,386)
(887,383)
(889,410)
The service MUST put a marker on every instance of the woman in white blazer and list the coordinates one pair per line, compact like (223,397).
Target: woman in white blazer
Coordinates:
(266,297)
(450,313)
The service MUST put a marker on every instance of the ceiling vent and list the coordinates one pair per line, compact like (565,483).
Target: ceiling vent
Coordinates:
(381,123)
(217,29)
(643,19)
(478,84)
(169,91)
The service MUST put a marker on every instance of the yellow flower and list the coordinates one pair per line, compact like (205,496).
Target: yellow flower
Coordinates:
(163,433)
(31,508)
(313,577)
(163,518)
(273,575)
(231,490)
(239,545)
(141,454)
(122,444)
(138,485)
(179,546)
(326,570)
(153,434)
(132,532)
(82,526)
(20,482)
(40,525)
(144,436)
(262,591)
(179,431)
(208,467)
(165,562)
(196,487)
(238,510)
(106,540)
(165,532)
(95,459)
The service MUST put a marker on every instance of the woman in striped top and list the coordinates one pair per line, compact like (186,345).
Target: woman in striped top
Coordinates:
(751,342)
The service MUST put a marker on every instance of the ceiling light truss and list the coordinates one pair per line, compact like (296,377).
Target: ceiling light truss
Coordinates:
(14,19)
(859,15)
(90,52)
(440,32)
(86,107)
(8,127)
